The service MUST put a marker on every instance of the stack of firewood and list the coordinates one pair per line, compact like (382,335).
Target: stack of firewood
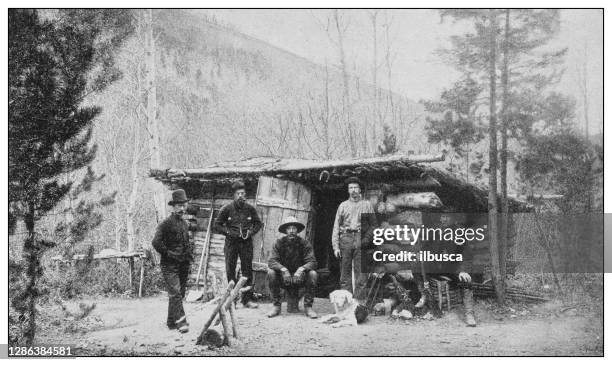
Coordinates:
(516,294)
(447,297)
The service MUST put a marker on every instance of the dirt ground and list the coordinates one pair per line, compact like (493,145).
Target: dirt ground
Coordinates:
(137,327)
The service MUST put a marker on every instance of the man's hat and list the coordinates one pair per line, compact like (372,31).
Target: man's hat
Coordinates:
(291,221)
(178,196)
(238,185)
(354,180)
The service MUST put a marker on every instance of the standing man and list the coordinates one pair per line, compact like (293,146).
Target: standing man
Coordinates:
(349,235)
(239,221)
(172,242)
(292,266)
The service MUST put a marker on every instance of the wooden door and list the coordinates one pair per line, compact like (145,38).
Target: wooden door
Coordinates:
(277,199)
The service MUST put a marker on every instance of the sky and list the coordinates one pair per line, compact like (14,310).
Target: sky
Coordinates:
(416,34)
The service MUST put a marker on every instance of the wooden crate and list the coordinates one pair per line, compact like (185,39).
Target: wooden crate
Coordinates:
(444,295)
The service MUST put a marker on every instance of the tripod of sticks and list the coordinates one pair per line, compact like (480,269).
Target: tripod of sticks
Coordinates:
(226,305)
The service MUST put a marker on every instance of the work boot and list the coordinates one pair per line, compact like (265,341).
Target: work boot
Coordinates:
(250,304)
(468,303)
(292,305)
(182,325)
(276,310)
(310,313)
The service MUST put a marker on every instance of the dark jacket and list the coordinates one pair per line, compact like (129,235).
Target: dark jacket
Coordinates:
(172,239)
(292,254)
(234,220)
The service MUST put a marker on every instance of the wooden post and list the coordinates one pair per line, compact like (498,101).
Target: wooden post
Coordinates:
(142,265)
(232,311)
(131,262)
(226,335)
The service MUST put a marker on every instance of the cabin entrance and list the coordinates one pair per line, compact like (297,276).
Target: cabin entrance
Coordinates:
(325,207)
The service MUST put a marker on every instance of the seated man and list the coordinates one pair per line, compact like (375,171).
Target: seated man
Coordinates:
(457,274)
(292,265)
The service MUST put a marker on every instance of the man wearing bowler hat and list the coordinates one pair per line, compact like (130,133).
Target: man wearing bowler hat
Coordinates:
(349,235)
(172,242)
(292,266)
(239,222)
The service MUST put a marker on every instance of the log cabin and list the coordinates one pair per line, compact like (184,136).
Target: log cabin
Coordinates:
(312,190)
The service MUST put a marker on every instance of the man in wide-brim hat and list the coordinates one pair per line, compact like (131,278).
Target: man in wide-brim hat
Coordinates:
(172,242)
(239,222)
(292,265)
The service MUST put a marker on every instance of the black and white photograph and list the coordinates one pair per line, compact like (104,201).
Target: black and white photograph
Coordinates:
(277,182)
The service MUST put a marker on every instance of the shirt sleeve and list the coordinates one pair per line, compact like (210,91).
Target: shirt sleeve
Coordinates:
(309,257)
(274,260)
(158,240)
(255,221)
(336,231)
(221,221)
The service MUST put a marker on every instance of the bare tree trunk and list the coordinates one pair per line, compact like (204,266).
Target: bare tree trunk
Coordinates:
(376,112)
(151,113)
(585,94)
(493,210)
(585,102)
(389,67)
(131,206)
(326,116)
(346,99)
(117,213)
(503,232)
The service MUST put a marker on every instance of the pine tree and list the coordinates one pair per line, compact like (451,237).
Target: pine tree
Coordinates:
(524,66)
(514,51)
(52,68)
(556,157)
(455,124)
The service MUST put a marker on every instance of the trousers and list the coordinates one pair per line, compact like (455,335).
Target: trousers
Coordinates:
(467,292)
(234,248)
(175,275)
(350,265)
(275,282)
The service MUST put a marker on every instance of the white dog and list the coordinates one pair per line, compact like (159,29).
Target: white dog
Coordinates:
(344,308)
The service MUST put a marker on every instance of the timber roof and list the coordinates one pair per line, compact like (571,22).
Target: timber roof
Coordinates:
(405,171)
